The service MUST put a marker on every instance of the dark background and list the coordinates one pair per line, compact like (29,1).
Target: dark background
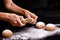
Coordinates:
(48,11)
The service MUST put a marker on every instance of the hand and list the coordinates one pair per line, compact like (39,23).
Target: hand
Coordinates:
(14,19)
(29,15)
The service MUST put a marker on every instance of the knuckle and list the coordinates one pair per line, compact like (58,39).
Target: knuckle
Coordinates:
(21,16)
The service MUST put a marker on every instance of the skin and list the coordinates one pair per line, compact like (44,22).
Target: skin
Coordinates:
(13,18)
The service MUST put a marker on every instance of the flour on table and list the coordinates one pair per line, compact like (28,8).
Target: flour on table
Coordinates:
(34,33)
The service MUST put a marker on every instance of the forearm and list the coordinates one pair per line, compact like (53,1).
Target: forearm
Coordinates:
(3,16)
(16,9)
(13,7)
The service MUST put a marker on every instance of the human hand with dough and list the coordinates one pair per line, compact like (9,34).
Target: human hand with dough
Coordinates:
(13,19)
(11,6)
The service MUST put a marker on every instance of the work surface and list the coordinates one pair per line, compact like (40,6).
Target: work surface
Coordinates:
(34,33)
(30,32)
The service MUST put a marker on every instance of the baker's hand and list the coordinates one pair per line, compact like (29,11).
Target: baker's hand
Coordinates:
(15,20)
(29,15)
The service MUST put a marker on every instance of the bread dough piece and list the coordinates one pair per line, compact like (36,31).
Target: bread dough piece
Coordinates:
(24,21)
(7,33)
(50,27)
(40,25)
(29,20)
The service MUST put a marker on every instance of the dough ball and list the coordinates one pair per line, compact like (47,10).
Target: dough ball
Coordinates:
(7,33)
(29,20)
(50,27)
(24,21)
(40,25)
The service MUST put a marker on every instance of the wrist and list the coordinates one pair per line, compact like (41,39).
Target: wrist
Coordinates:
(20,11)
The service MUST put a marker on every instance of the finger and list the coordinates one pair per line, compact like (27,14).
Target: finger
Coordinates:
(27,15)
(33,16)
(19,22)
(13,23)
(21,17)
(34,20)
(23,20)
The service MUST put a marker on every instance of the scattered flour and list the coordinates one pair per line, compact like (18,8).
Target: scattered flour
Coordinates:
(34,33)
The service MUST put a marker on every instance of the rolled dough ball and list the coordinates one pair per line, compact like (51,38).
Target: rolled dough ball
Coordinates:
(7,33)
(40,25)
(29,20)
(24,21)
(50,27)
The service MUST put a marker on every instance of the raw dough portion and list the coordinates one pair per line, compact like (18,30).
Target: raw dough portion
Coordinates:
(7,33)
(50,27)
(40,25)
(24,21)
(29,20)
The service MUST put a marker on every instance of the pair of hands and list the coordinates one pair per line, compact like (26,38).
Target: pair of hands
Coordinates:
(15,19)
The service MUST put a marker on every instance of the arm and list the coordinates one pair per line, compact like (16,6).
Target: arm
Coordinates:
(13,7)
(4,16)
(13,19)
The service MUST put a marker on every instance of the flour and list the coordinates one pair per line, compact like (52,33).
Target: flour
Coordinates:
(34,33)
